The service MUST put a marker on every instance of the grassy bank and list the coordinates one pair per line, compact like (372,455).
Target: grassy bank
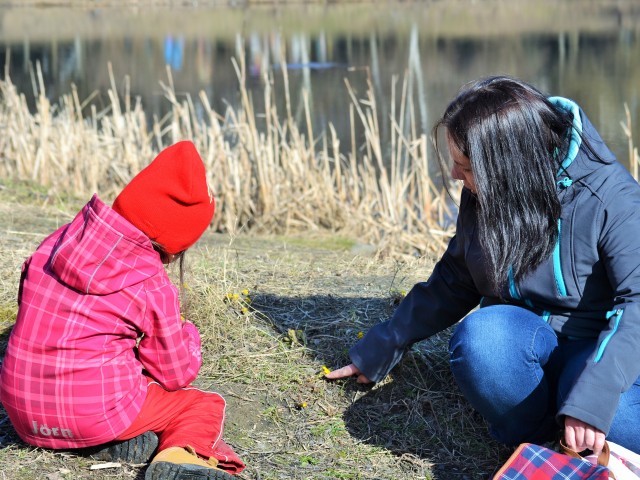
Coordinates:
(272,311)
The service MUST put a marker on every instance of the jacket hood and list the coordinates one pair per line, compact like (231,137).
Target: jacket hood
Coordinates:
(100,252)
(580,160)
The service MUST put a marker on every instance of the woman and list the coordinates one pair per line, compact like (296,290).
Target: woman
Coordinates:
(548,245)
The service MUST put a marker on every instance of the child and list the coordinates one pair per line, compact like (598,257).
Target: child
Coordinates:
(99,354)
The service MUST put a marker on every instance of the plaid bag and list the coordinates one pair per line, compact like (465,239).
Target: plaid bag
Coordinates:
(623,464)
(534,462)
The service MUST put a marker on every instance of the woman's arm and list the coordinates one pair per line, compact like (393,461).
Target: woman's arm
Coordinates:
(430,307)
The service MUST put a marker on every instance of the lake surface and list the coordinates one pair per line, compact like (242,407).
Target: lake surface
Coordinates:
(585,50)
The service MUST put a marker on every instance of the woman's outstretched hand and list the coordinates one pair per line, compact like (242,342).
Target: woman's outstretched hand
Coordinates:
(348,371)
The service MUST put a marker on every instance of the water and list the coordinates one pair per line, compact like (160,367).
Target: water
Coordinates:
(587,51)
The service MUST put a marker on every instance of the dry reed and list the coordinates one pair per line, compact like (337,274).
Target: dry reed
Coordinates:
(634,157)
(280,179)
(276,179)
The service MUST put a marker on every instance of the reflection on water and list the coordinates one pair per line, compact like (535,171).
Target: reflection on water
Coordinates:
(589,55)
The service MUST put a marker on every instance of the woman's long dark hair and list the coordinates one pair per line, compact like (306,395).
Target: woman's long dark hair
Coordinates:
(516,141)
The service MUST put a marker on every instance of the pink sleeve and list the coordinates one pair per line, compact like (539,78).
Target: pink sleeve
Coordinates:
(170,348)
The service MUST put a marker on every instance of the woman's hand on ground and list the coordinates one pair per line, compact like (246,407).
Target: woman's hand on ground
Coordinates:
(580,436)
(348,371)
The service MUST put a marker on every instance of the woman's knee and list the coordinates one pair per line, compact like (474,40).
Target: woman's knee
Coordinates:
(501,340)
(497,330)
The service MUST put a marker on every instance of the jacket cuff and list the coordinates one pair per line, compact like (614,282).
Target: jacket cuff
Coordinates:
(376,354)
(594,406)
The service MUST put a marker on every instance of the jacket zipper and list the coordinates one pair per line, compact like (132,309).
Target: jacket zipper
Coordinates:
(513,289)
(557,273)
(557,265)
(618,314)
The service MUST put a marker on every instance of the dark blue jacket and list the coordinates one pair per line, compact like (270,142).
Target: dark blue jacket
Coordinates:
(588,288)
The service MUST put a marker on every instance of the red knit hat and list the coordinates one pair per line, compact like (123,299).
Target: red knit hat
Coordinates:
(170,200)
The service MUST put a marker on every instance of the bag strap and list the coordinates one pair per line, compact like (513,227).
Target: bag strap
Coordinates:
(603,458)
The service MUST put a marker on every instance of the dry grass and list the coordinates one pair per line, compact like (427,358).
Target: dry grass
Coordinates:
(634,156)
(279,178)
(309,298)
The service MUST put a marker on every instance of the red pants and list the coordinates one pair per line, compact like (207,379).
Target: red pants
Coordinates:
(188,416)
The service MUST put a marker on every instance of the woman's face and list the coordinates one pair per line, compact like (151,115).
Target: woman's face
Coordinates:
(461,169)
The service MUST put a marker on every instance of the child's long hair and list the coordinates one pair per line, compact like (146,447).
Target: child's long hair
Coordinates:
(179,257)
(516,140)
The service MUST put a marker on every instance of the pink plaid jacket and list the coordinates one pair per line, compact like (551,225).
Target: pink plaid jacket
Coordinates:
(72,376)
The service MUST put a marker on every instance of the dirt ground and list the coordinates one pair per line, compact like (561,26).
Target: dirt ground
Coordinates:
(272,312)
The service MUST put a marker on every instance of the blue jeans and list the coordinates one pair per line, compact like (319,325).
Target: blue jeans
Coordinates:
(514,370)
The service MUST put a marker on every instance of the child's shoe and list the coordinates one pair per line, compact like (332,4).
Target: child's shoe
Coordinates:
(182,463)
(138,449)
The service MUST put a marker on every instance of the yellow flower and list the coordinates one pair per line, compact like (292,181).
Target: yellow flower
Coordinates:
(303,405)
(360,334)
(245,292)
(245,310)
(325,370)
